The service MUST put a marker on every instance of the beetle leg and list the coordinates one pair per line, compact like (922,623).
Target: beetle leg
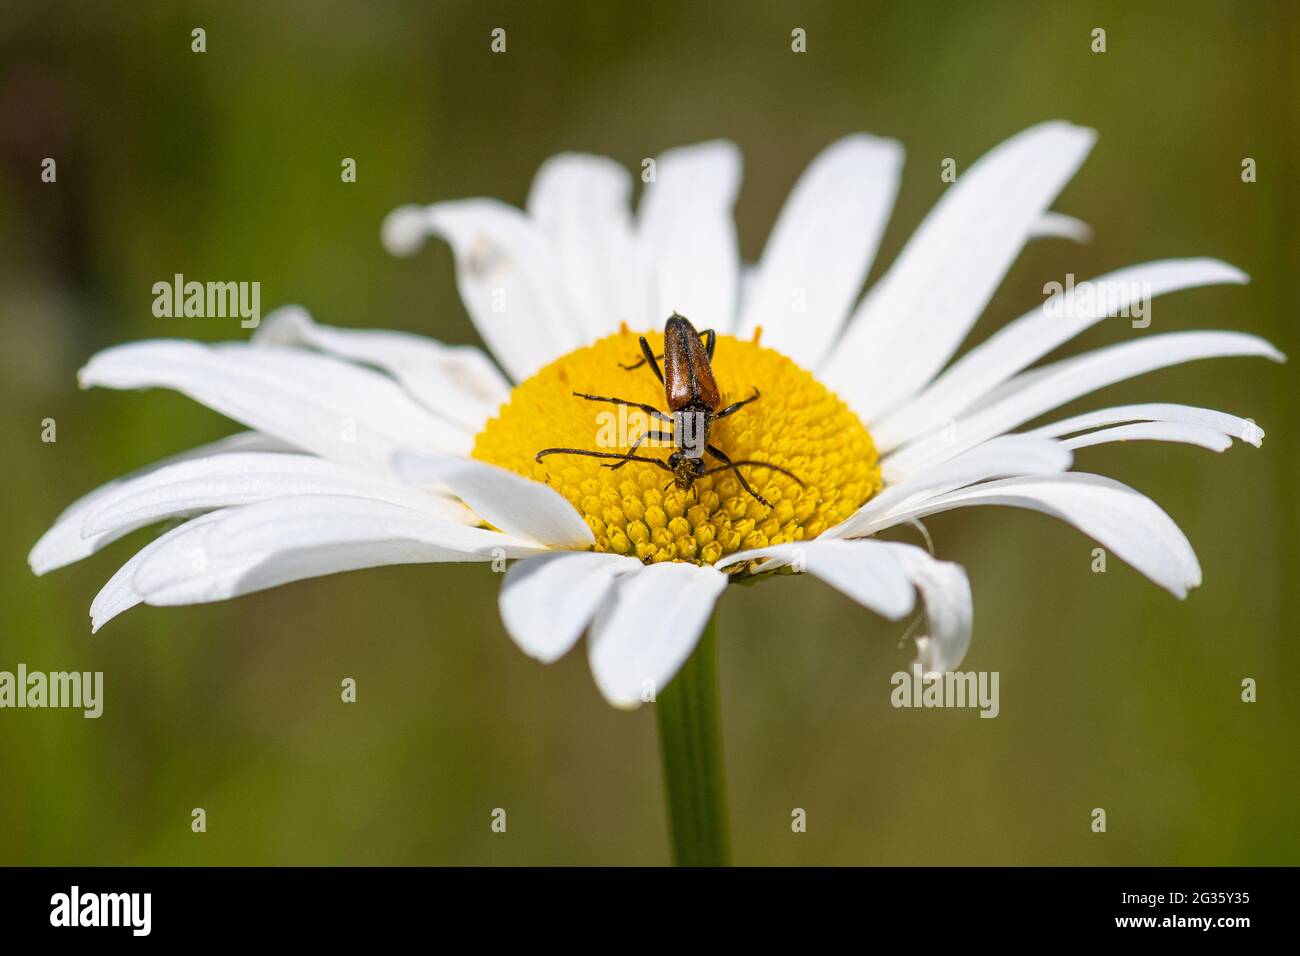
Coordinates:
(656,435)
(750,461)
(710,340)
(648,409)
(647,355)
(736,406)
(637,364)
(650,357)
(729,465)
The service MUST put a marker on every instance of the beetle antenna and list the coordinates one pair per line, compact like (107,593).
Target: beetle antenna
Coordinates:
(601,454)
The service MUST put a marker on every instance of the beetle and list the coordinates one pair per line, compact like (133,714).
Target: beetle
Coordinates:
(693,399)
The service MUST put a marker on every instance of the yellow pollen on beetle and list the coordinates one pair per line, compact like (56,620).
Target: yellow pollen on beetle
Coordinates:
(796,424)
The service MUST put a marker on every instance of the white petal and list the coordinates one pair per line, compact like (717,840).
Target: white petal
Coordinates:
(1043,389)
(221,481)
(950,614)
(458,383)
(405,230)
(64,543)
(335,409)
(918,314)
(1022,342)
(1003,457)
(263,545)
(1057,225)
(822,246)
(1122,520)
(509,278)
(119,594)
(1242,429)
(881,576)
(548,601)
(582,203)
(686,237)
(1154,431)
(862,570)
(517,505)
(649,627)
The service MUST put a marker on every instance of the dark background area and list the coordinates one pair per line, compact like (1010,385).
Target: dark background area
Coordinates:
(225,165)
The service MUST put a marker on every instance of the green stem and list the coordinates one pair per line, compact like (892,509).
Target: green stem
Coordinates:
(690,742)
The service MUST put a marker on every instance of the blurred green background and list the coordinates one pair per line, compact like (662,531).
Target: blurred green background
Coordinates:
(226,166)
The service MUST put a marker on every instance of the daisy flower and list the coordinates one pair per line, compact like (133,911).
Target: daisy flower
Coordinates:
(370,448)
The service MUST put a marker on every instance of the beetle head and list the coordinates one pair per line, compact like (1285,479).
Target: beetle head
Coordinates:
(685,469)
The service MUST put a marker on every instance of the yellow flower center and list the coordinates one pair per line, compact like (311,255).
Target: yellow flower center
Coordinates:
(796,424)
